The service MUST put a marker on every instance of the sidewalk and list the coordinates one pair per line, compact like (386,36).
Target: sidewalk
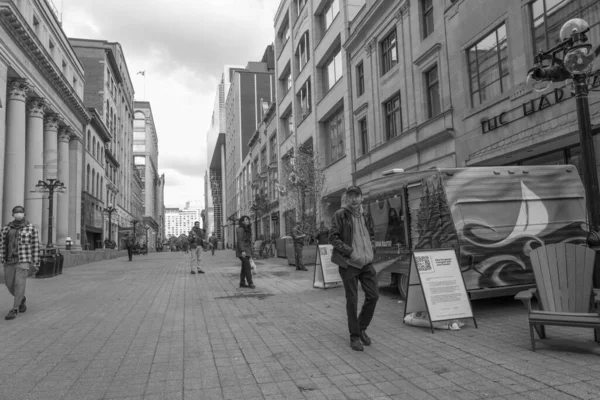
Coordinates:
(149,329)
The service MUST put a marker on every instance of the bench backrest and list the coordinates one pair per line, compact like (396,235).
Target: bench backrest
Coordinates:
(563,274)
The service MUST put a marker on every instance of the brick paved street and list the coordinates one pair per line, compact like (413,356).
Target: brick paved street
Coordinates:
(151,330)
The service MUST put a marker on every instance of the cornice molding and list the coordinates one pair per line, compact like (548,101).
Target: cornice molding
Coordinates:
(432,50)
(29,43)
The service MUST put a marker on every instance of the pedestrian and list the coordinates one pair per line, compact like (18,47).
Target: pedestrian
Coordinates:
(298,237)
(323,234)
(129,244)
(196,241)
(353,238)
(212,240)
(19,252)
(244,251)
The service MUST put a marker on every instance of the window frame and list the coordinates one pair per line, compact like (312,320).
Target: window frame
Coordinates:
(388,46)
(305,88)
(497,63)
(325,13)
(363,131)
(336,121)
(360,79)
(427,12)
(303,43)
(332,62)
(429,87)
(388,113)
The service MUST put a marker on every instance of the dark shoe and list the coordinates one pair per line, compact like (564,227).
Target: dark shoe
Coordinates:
(12,314)
(364,338)
(251,286)
(304,269)
(356,345)
(242,284)
(22,306)
(200,271)
(193,272)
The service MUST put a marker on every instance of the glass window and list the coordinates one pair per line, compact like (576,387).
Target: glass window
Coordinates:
(302,52)
(334,70)
(139,148)
(336,134)
(304,98)
(139,135)
(427,10)
(360,79)
(433,92)
(273,143)
(300,5)
(364,136)
(389,52)
(139,123)
(331,11)
(550,15)
(488,66)
(393,118)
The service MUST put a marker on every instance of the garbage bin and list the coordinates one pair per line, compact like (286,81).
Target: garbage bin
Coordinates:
(219,245)
(48,258)
(61,261)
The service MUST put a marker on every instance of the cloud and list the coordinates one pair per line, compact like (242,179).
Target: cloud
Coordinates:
(183,47)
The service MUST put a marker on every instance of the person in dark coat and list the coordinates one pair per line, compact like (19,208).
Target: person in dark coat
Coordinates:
(244,251)
(129,244)
(353,239)
(323,234)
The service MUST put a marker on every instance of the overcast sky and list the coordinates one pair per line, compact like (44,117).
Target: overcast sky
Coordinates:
(182,45)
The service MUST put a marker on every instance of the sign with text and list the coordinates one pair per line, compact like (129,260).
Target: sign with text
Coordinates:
(326,272)
(442,289)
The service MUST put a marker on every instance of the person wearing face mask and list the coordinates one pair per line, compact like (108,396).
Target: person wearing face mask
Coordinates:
(19,252)
(353,239)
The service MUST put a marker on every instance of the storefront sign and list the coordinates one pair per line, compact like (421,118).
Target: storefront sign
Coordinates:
(531,107)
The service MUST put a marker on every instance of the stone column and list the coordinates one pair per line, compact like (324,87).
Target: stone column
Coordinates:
(14,162)
(62,215)
(34,162)
(50,171)
(74,188)
(3,93)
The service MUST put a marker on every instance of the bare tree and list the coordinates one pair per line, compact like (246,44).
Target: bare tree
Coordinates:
(301,188)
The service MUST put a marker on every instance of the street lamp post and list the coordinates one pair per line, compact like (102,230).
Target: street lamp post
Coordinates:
(134,222)
(50,186)
(109,210)
(147,228)
(576,64)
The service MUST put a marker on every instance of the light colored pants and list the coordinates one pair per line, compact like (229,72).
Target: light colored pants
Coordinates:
(15,276)
(196,257)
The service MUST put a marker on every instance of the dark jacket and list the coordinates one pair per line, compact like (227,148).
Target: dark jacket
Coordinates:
(340,235)
(196,237)
(243,241)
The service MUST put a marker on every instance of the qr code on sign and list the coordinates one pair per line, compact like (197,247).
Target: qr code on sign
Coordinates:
(423,264)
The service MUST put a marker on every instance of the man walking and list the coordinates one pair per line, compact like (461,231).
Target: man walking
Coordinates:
(196,240)
(352,237)
(212,240)
(19,251)
(298,237)
(129,244)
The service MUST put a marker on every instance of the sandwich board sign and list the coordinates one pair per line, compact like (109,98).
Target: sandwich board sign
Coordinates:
(327,274)
(435,284)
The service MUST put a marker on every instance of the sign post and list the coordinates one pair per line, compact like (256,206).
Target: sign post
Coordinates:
(442,289)
(327,273)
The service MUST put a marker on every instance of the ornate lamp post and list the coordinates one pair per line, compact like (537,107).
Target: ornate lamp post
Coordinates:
(576,64)
(109,210)
(50,186)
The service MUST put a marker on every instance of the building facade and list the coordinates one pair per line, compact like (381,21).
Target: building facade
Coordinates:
(145,153)
(179,221)
(499,119)
(42,118)
(109,91)
(249,89)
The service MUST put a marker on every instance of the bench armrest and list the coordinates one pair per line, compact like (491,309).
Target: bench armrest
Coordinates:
(525,296)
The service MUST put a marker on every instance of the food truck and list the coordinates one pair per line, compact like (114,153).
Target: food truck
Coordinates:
(492,216)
